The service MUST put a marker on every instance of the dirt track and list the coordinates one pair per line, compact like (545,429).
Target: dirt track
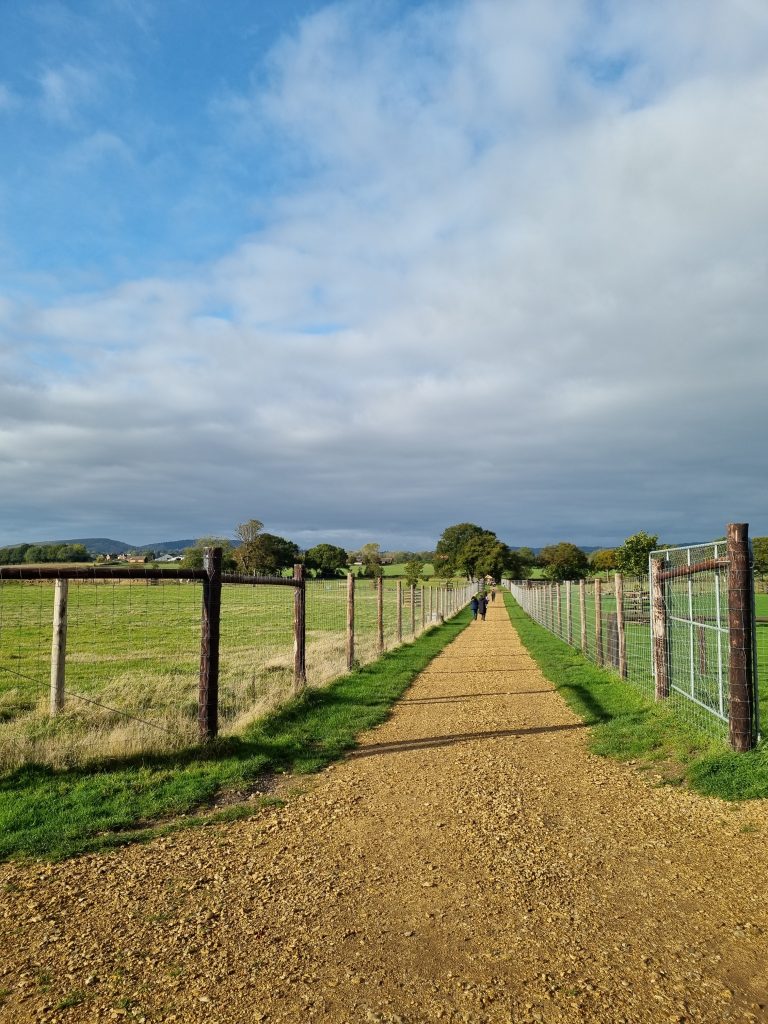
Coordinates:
(470,862)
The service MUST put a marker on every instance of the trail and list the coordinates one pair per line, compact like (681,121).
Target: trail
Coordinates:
(470,861)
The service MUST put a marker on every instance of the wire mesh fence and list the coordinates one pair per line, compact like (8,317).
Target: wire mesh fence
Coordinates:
(131,664)
(616,624)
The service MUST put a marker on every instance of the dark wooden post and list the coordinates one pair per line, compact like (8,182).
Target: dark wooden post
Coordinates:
(741,710)
(59,646)
(380,612)
(299,629)
(659,619)
(208,701)
(619,591)
(599,656)
(350,621)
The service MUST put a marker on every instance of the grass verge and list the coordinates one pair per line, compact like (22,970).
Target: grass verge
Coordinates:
(52,814)
(627,727)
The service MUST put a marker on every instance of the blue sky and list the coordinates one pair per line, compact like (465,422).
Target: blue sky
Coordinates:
(364,270)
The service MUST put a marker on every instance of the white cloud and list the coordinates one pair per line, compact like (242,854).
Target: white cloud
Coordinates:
(502,290)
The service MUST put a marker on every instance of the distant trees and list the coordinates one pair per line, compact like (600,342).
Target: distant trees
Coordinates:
(564,561)
(326,559)
(192,558)
(474,552)
(414,569)
(32,554)
(370,556)
(603,560)
(632,556)
(760,554)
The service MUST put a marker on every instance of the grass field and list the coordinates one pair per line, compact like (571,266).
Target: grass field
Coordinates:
(133,651)
(49,812)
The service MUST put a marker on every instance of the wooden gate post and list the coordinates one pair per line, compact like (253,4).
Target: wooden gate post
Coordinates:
(659,619)
(350,621)
(619,591)
(380,612)
(741,705)
(299,630)
(208,700)
(59,646)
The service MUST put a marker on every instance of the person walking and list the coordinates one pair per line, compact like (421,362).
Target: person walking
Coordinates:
(482,605)
(493,594)
(473,604)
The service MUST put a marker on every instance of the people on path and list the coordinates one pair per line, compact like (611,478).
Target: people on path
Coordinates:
(493,594)
(473,604)
(482,605)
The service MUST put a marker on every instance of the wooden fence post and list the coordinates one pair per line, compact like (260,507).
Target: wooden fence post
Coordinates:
(741,706)
(59,646)
(423,609)
(208,700)
(380,612)
(559,592)
(599,656)
(431,605)
(569,611)
(399,611)
(583,614)
(350,621)
(299,629)
(659,619)
(618,583)
(412,589)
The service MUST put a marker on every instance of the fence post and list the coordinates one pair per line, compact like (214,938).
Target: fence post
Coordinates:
(59,646)
(299,629)
(350,621)
(559,592)
(619,591)
(399,611)
(380,612)
(583,614)
(599,656)
(741,710)
(413,609)
(208,700)
(569,611)
(659,620)
(423,610)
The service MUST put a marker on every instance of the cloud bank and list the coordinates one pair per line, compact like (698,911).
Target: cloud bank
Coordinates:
(511,269)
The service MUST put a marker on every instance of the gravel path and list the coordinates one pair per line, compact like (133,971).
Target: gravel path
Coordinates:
(469,862)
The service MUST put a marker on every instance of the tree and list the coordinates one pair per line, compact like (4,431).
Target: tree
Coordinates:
(326,559)
(632,556)
(603,560)
(370,556)
(192,558)
(267,555)
(249,531)
(564,561)
(760,554)
(527,556)
(452,541)
(413,571)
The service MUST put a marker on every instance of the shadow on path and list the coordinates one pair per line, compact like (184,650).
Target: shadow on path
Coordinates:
(449,741)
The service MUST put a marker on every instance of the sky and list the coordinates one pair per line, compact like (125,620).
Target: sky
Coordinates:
(364,270)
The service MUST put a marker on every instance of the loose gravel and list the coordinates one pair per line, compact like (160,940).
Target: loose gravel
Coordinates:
(470,861)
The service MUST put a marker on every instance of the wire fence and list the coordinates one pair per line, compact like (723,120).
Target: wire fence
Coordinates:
(128,676)
(673,639)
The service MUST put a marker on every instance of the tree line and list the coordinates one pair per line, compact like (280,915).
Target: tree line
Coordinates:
(33,554)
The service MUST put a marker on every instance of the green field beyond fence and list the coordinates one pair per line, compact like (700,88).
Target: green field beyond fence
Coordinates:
(133,658)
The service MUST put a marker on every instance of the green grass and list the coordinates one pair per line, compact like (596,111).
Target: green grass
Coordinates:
(626,726)
(54,814)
